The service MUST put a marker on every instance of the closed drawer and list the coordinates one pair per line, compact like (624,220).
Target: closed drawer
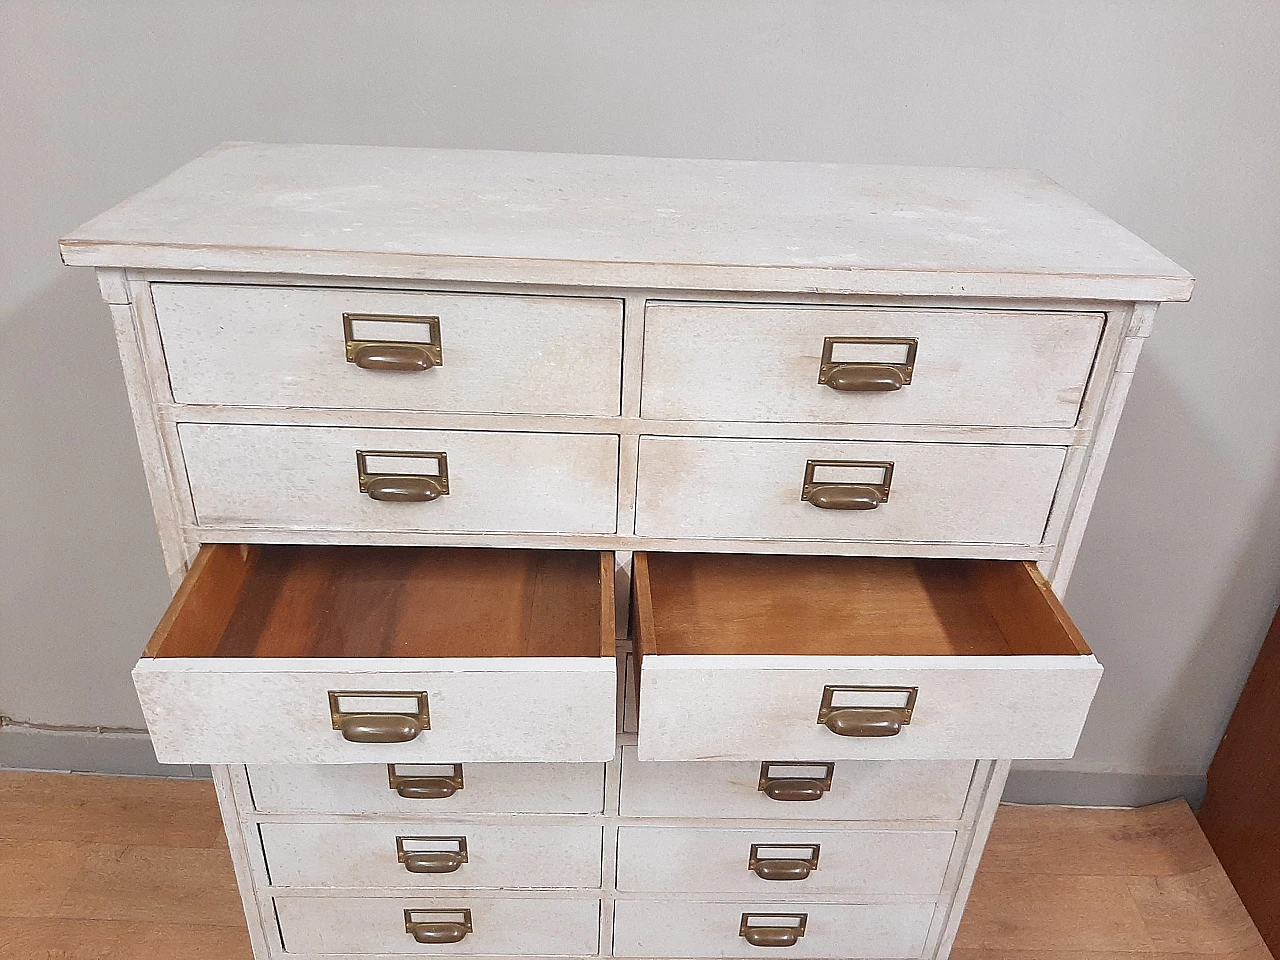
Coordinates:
(708,488)
(433,481)
(310,347)
(431,853)
(779,790)
(279,654)
(855,658)
(866,365)
(784,863)
(488,927)
(428,789)
(651,928)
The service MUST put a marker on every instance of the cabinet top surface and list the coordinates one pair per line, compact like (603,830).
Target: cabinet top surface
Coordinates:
(627,221)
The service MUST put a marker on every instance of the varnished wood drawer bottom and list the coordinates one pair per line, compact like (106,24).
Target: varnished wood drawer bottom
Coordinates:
(649,928)
(432,853)
(498,927)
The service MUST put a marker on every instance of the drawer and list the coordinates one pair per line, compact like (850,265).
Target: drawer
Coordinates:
(431,853)
(432,481)
(709,488)
(856,931)
(370,349)
(784,863)
(773,790)
(855,658)
(866,365)
(428,789)
(484,927)
(286,654)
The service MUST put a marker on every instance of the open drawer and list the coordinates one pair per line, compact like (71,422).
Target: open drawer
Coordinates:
(291,654)
(854,658)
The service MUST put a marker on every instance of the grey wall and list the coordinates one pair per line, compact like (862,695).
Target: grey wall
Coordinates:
(1164,114)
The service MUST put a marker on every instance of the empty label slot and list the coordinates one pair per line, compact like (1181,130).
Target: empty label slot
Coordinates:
(853,473)
(788,851)
(392,331)
(869,352)
(378,703)
(885,699)
(797,771)
(424,769)
(433,844)
(427,465)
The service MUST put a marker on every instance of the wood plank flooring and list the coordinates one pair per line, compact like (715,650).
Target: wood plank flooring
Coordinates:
(111,868)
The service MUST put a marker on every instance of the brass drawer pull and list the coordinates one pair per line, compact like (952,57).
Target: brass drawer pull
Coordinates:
(405,486)
(863,376)
(862,494)
(437,930)
(866,711)
(795,788)
(772,929)
(782,861)
(445,855)
(426,786)
(388,717)
(404,356)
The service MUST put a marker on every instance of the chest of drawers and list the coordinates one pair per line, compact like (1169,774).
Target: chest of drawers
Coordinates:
(600,556)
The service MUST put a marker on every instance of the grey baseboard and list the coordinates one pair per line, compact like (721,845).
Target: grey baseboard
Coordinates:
(127,754)
(1089,788)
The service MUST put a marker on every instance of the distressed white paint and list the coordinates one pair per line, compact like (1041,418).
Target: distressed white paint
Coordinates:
(487,788)
(860,790)
(343,854)
(276,710)
(718,488)
(516,927)
(626,221)
(759,362)
(682,928)
(746,707)
(306,477)
(858,864)
(285,347)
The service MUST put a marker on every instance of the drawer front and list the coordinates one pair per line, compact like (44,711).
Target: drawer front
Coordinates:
(309,478)
(289,347)
(498,927)
(431,853)
(775,364)
(231,710)
(476,788)
(746,707)
(766,862)
(707,488)
(644,928)
(845,790)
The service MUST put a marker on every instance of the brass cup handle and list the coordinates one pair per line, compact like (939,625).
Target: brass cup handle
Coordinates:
(433,861)
(796,789)
(427,788)
(395,357)
(865,378)
(404,489)
(436,931)
(864,722)
(846,496)
(782,869)
(379,727)
(771,936)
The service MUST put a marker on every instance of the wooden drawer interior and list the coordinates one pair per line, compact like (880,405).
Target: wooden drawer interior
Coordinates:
(362,601)
(692,604)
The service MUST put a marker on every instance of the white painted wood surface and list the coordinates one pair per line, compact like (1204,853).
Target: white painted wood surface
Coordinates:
(626,221)
(306,477)
(515,927)
(759,362)
(276,710)
(717,488)
(853,863)
(285,347)
(745,707)
(487,788)
(860,790)
(343,854)
(680,928)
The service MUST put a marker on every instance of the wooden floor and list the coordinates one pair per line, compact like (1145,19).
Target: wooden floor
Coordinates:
(108,868)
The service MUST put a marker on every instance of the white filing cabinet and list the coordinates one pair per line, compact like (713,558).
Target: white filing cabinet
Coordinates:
(426,430)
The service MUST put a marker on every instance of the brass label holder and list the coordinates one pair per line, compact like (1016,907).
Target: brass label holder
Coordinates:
(858,494)
(418,712)
(772,929)
(866,711)
(384,354)
(783,861)
(776,784)
(426,786)
(437,926)
(867,375)
(403,486)
(432,854)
